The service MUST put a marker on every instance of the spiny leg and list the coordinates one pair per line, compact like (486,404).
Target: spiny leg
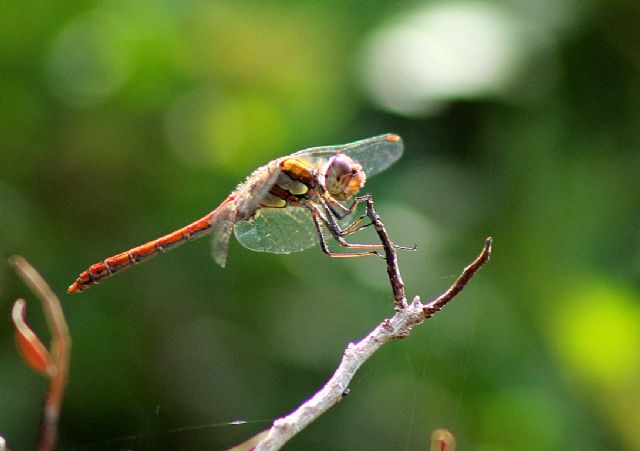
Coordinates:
(326,218)
(318,221)
(355,226)
(368,199)
(329,220)
(339,211)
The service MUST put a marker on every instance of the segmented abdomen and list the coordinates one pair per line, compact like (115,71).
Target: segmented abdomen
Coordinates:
(108,267)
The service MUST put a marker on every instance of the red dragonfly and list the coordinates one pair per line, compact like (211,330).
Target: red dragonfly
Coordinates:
(285,206)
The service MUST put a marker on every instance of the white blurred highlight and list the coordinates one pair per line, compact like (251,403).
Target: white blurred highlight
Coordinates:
(442,52)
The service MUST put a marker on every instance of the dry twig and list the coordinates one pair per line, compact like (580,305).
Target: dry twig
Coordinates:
(407,315)
(52,363)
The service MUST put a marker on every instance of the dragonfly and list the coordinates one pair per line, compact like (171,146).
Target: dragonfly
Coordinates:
(285,206)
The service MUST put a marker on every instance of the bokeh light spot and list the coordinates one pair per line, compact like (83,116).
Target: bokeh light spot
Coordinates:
(208,127)
(445,51)
(88,60)
(597,332)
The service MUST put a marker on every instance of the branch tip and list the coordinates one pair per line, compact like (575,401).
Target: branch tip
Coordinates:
(436,304)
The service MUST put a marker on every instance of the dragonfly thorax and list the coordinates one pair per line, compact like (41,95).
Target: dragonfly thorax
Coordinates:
(343,177)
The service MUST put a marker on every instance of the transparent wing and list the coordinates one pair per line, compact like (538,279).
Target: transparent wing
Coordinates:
(241,204)
(374,154)
(221,226)
(278,230)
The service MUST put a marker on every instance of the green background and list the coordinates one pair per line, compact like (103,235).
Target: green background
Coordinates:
(121,121)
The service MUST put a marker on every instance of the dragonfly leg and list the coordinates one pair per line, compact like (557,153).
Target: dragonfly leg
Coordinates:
(329,219)
(331,212)
(318,221)
(339,210)
(336,209)
(351,228)
(367,198)
(355,226)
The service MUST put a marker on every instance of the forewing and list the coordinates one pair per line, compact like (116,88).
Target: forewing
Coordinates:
(278,230)
(374,154)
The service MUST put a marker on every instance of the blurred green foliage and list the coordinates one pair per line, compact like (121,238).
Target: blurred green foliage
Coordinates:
(120,121)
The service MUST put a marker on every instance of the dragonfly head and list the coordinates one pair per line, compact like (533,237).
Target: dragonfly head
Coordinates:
(343,177)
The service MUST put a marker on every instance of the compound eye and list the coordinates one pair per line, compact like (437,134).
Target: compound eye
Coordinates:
(343,177)
(341,166)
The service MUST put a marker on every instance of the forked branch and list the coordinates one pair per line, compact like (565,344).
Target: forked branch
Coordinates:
(407,315)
